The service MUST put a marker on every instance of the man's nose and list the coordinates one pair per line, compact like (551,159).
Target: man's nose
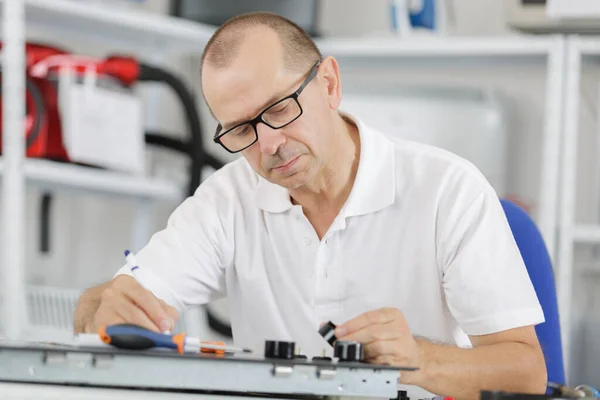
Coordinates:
(269,139)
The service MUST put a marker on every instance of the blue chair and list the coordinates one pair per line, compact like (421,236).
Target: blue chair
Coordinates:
(539,266)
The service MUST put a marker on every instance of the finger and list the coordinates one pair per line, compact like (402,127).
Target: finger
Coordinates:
(132,314)
(148,303)
(382,360)
(171,311)
(101,319)
(381,348)
(387,331)
(380,316)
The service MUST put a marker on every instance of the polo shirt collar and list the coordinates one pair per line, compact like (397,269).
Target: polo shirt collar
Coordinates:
(374,187)
(271,197)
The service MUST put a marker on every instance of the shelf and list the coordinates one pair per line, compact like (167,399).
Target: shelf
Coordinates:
(586,234)
(54,175)
(587,45)
(432,47)
(122,29)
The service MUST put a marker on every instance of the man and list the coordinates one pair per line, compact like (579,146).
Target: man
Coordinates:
(404,246)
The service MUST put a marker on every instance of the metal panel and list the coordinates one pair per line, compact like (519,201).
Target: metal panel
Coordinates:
(202,373)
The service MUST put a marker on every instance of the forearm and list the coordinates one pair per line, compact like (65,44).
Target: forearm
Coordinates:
(87,305)
(463,373)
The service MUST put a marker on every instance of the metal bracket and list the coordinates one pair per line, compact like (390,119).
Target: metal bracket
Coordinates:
(55,359)
(283,370)
(80,360)
(326,373)
(103,360)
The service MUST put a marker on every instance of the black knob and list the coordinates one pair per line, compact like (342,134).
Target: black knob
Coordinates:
(349,351)
(402,395)
(277,349)
(328,332)
(321,358)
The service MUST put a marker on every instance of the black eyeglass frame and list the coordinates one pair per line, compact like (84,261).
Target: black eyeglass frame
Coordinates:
(259,118)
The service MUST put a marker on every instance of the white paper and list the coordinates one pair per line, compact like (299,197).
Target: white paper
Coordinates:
(557,9)
(103,127)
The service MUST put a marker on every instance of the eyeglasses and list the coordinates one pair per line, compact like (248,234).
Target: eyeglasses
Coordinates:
(276,116)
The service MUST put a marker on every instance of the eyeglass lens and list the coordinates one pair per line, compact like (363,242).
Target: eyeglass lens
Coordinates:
(276,116)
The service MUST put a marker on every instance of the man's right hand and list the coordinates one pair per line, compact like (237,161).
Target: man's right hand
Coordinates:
(124,300)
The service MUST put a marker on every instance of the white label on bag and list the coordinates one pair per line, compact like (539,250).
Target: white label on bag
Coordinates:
(103,127)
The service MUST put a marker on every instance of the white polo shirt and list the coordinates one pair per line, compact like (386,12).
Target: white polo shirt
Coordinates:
(422,230)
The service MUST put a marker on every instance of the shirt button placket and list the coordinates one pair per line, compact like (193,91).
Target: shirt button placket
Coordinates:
(333,268)
(325,263)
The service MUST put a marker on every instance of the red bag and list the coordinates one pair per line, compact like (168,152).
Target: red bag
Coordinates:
(42,120)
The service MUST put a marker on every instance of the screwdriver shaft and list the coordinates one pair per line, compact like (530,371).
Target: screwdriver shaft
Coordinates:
(195,344)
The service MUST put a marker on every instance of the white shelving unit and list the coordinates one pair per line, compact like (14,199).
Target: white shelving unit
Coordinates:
(123,30)
(586,233)
(571,232)
(435,48)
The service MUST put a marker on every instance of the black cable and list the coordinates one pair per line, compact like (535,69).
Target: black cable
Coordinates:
(162,140)
(217,325)
(39,111)
(45,205)
(196,150)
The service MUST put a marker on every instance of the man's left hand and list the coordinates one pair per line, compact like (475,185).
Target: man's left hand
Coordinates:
(386,338)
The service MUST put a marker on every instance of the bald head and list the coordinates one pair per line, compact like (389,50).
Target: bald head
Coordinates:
(298,50)
(274,96)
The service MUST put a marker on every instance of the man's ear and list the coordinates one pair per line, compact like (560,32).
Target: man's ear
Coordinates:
(330,74)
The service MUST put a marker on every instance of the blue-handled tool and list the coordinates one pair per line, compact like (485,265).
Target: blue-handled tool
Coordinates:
(133,337)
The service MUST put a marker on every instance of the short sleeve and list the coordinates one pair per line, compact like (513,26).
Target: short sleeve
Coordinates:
(485,281)
(188,258)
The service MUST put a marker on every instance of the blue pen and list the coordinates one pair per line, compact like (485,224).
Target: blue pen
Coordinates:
(132,264)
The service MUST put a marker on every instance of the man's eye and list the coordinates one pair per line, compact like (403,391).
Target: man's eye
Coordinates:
(241,131)
(278,109)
